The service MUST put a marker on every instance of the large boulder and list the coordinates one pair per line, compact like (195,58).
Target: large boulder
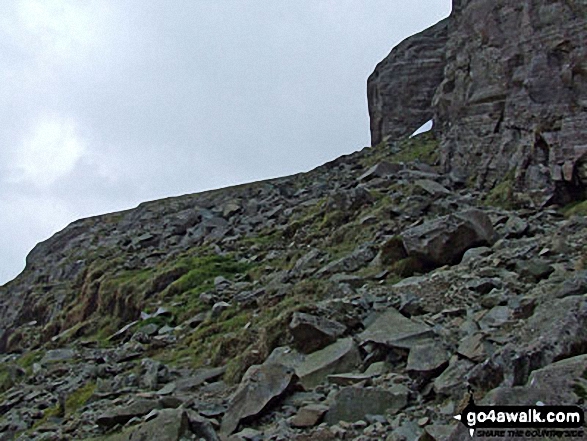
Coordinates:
(444,240)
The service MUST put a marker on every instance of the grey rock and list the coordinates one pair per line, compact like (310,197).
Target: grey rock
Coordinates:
(123,414)
(394,330)
(309,416)
(382,169)
(473,347)
(444,240)
(355,403)
(311,332)
(451,382)
(260,385)
(556,384)
(427,360)
(341,356)
(432,187)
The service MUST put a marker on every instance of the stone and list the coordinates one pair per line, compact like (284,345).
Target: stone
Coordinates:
(432,187)
(555,331)
(427,360)
(312,332)
(392,329)
(57,356)
(473,347)
(495,317)
(355,403)
(443,241)
(309,416)
(452,380)
(123,414)
(436,432)
(535,270)
(218,308)
(260,385)
(382,169)
(515,227)
(341,356)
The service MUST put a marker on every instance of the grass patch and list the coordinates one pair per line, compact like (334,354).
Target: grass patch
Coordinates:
(575,209)
(502,195)
(79,398)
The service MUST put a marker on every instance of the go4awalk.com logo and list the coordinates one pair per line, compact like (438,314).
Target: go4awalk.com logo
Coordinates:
(523,421)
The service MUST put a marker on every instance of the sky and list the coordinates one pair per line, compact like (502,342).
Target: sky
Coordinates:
(108,103)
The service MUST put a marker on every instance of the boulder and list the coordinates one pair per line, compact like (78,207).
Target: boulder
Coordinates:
(311,332)
(427,360)
(444,240)
(260,386)
(355,403)
(341,356)
(394,330)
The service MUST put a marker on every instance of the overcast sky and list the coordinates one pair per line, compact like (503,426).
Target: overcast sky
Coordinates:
(105,104)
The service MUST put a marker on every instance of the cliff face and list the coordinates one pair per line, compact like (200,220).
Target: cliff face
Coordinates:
(512,100)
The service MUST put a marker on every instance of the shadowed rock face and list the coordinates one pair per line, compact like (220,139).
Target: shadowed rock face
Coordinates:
(512,98)
(401,88)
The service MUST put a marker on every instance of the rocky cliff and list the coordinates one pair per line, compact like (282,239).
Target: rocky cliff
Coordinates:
(363,300)
(506,85)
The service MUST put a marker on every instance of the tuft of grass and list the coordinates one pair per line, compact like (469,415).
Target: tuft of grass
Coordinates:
(79,398)
(502,195)
(576,209)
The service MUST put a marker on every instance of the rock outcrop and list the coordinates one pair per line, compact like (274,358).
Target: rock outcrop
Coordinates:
(511,102)
(402,86)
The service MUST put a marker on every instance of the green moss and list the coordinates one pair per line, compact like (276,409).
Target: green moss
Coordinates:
(423,148)
(202,273)
(408,267)
(502,195)
(6,380)
(27,360)
(79,398)
(576,209)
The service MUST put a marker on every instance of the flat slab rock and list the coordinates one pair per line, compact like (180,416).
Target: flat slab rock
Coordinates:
(312,369)
(394,330)
(123,414)
(354,403)
(261,384)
